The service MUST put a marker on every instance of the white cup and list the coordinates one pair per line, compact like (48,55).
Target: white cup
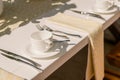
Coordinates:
(41,41)
(103,5)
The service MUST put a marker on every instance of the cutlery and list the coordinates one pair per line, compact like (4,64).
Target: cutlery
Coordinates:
(49,29)
(90,14)
(20,60)
(61,36)
(42,28)
(19,57)
(39,27)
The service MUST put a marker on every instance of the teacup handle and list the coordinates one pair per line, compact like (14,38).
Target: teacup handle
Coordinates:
(49,43)
(111,1)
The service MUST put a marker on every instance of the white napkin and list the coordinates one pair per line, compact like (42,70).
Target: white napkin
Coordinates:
(94,29)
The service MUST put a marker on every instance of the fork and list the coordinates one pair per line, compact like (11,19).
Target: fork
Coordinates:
(49,29)
(43,28)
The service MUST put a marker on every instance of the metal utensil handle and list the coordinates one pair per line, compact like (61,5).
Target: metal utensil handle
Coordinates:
(90,14)
(68,33)
(16,59)
(13,54)
(49,29)
(61,36)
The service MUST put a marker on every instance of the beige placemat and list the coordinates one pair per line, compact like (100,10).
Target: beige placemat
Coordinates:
(4,75)
(94,29)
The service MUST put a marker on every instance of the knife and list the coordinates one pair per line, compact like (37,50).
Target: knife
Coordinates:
(20,60)
(19,57)
(90,14)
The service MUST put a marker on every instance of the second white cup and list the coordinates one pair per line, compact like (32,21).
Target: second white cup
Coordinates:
(41,41)
(103,5)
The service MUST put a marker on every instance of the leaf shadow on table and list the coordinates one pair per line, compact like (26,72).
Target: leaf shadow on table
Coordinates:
(18,13)
(59,47)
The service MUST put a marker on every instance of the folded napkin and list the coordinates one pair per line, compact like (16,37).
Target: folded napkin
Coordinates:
(94,29)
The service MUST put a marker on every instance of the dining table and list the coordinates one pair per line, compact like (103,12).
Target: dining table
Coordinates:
(18,41)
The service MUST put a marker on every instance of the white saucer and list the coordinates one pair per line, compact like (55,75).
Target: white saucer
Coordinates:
(112,10)
(38,54)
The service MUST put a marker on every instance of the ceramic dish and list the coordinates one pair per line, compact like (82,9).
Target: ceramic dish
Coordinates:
(38,54)
(112,10)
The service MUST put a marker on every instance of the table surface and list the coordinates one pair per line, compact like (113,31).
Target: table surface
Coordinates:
(82,5)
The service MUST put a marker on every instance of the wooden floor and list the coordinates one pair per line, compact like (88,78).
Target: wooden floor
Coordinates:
(111,72)
(110,76)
